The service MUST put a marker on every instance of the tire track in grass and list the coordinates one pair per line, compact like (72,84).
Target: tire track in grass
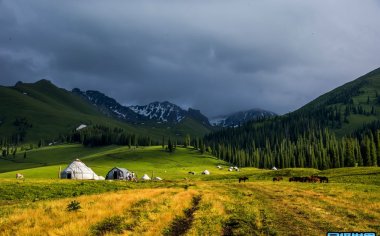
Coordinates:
(172,205)
(181,224)
(208,219)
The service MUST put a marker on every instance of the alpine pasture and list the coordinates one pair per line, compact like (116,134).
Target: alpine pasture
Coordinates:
(181,204)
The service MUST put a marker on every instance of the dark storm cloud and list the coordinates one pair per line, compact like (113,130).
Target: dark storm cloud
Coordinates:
(217,56)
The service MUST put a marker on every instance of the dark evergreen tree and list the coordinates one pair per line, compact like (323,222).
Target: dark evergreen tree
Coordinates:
(170,146)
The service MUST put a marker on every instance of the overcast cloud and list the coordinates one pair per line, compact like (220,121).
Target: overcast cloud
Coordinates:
(216,56)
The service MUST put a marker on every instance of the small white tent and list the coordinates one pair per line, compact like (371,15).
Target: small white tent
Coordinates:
(205,172)
(145,177)
(78,170)
(157,178)
(119,173)
(274,168)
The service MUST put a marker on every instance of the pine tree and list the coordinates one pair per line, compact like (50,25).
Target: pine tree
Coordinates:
(14,152)
(170,146)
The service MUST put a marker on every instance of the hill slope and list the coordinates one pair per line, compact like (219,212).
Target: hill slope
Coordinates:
(48,112)
(349,106)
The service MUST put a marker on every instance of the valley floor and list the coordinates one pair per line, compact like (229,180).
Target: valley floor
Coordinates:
(201,208)
(182,204)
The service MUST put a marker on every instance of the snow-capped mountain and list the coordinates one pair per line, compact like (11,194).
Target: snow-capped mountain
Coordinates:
(108,106)
(159,112)
(238,118)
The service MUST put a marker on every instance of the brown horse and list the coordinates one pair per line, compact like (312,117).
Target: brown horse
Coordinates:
(315,179)
(323,179)
(278,178)
(243,179)
(295,179)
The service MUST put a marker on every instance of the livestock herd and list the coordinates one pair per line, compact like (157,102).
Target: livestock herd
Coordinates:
(307,179)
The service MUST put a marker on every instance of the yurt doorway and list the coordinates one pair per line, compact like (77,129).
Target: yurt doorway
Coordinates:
(69,175)
(115,175)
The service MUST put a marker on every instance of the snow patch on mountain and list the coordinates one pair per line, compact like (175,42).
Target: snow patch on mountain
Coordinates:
(82,126)
(164,111)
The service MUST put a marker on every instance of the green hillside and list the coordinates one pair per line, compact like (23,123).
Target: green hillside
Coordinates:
(357,102)
(45,162)
(51,111)
(48,109)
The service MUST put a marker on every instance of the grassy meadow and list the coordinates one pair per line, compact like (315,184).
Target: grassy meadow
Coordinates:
(182,204)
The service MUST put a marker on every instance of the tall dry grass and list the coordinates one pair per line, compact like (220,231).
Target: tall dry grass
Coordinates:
(52,218)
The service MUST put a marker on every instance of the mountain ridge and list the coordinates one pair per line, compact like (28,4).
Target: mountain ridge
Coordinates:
(163,112)
(235,119)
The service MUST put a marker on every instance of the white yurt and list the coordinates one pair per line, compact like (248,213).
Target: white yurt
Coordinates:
(205,172)
(78,170)
(157,178)
(145,177)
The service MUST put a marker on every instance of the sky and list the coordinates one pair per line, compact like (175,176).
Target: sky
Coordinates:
(217,56)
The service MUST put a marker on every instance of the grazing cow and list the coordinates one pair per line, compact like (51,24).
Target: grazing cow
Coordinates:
(19,176)
(191,173)
(278,178)
(243,179)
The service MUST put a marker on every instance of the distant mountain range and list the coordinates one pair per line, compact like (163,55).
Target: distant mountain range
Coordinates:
(239,118)
(50,111)
(165,112)
(159,112)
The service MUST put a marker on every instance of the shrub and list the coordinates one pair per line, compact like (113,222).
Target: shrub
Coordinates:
(73,206)
(113,224)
